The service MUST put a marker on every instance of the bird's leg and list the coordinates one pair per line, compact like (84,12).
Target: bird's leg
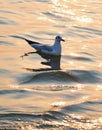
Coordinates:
(26,54)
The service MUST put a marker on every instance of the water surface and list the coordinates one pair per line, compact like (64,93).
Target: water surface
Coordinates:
(38,92)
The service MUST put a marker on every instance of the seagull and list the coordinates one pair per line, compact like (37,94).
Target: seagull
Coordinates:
(54,49)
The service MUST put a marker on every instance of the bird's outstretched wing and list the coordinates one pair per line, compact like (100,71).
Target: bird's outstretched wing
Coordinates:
(39,46)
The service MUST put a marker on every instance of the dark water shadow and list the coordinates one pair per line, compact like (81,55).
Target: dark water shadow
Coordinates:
(46,74)
(60,76)
(52,61)
(51,74)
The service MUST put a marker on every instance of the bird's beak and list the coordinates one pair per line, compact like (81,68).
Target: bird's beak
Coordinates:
(63,40)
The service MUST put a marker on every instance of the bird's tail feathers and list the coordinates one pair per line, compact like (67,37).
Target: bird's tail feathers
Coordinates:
(29,41)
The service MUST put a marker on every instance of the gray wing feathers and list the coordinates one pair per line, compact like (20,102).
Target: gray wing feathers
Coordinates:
(41,47)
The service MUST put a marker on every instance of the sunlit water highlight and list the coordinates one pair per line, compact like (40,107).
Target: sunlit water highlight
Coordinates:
(62,93)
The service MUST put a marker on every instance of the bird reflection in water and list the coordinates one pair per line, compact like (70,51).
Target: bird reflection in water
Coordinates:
(52,61)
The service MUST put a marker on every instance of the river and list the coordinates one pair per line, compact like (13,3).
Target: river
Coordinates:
(64,94)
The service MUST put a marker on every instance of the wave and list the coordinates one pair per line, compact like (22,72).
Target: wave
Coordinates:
(6,21)
(56,118)
(61,77)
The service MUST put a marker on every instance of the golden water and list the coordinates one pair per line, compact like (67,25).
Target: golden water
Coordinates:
(33,97)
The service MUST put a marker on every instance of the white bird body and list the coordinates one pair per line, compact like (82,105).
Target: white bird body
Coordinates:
(54,49)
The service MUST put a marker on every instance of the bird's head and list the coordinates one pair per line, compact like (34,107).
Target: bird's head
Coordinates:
(59,38)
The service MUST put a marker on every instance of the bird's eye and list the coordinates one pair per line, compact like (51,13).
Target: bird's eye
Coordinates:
(58,37)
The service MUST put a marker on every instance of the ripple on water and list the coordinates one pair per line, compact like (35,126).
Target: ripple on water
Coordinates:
(87,107)
(4,72)
(55,16)
(50,120)
(7,21)
(6,43)
(87,76)
(60,77)
(8,12)
(80,58)
(88,30)
(49,77)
